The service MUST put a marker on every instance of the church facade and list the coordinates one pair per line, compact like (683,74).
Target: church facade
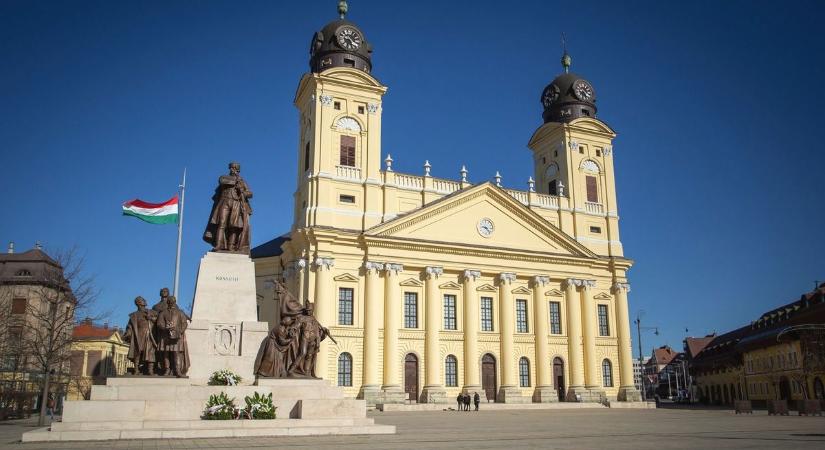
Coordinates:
(432,286)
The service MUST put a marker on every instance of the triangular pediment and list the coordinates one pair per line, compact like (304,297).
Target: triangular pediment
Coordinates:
(346,277)
(522,290)
(450,285)
(485,216)
(411,282)
(602,296)
(554,293)
(486,288)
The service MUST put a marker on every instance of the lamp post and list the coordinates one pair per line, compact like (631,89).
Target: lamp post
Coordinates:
(639,329)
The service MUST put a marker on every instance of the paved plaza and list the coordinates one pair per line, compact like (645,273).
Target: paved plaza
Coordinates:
(518,429)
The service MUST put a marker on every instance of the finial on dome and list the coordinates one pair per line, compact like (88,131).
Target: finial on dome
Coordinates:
(342,8)
(566,60)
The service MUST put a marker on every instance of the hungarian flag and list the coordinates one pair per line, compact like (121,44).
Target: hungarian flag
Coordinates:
(166,212)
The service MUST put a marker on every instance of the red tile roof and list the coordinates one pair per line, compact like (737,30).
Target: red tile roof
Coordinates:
(87,330)
(664,355)
(696,345)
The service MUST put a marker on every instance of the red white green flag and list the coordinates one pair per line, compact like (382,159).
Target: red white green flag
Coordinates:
(158,213)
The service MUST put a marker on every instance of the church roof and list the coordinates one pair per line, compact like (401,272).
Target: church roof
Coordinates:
(269,248)
(87,330)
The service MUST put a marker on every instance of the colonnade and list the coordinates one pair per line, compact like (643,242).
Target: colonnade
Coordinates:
(582,359)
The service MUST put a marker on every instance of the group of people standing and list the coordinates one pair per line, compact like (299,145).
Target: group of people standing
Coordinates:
(463,401)
(157,337)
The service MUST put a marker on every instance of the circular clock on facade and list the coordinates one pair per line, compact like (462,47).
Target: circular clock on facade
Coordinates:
(485,227)
(349,38)
(550,95)
(583,90)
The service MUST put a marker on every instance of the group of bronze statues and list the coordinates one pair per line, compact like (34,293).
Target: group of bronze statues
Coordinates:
(290,349)
(157,338)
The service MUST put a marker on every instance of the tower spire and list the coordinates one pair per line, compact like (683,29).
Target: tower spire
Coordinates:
(342,8)
(566,60)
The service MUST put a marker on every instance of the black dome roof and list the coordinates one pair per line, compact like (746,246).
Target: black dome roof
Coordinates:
(568,97)
(340,44)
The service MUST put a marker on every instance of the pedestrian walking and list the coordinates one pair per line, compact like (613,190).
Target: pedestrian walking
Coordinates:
(50,407)
(458,401)
(476,400)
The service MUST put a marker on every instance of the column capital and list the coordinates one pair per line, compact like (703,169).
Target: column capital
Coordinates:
(617,286)
(580,283)
(471,274)
(433,272)
(299,263)
(324,263)
(393,268)
(369,266)
(507,277)
(541,280)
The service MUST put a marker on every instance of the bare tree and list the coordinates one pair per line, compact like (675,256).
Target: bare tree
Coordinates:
(62,292)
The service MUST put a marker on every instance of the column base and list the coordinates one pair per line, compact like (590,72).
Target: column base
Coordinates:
(510,394)
(629,394)
(585,394)
(472,389)
(393,394)
(545,394)
(434,394)
(372,394)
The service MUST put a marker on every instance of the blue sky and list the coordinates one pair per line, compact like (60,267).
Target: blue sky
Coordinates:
(717,106)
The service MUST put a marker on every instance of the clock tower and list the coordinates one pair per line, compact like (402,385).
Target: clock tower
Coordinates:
(573,158)
(339,104)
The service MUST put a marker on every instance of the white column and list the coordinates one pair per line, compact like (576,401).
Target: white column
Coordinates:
(392,322)
(506,326)
(472,380)
(325,301)
(627,388)
(544,369)
(433,388)
(372,322)
(575,357)
(591,365)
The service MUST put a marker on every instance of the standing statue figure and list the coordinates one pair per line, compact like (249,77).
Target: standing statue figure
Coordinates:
(158,308)
(310,334)
(161,305)
(171,325)
(277,351)
(228,227)
(140,336)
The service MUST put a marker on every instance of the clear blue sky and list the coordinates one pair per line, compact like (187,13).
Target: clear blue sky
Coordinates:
(718,106)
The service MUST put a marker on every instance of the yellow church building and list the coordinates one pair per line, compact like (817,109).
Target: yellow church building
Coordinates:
(433,287)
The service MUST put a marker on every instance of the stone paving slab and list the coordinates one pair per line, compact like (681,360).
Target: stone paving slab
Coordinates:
(660,429)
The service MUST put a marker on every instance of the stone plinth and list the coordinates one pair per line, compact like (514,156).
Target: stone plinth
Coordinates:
(511,394)
(434,394)
(629,394)
(587,395)
(545,394)
(225,332)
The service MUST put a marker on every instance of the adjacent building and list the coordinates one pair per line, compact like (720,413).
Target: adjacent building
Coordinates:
(97,352)
(435,286)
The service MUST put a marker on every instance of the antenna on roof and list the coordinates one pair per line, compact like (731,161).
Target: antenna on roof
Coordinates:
(566,60)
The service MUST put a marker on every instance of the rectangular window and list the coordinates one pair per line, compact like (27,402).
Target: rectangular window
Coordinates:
(347,151)
(76,363)
(552,188)
(486,313)
(93,363)
(604,326)
(18,306)
(410,310)
(592,190)
(306,157)
(555,318)
(345,306)
(336,106)
(346,198)
(598,152)
(521,316)
(449,312)
(360,110)
(596,230)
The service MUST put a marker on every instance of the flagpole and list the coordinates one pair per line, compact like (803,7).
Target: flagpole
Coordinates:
(180,232)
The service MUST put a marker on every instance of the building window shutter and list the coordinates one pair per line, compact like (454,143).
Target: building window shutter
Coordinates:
(347,151)
(592,190)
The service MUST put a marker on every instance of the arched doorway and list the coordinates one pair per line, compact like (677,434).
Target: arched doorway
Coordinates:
(411,377)
(488,376)
(784,389)
(558,377)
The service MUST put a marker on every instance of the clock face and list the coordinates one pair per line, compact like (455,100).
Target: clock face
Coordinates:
(550,95)
(485,227)
(349,38)
(583,90)
(551,171)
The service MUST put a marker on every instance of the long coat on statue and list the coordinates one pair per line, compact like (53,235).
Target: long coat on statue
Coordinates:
(171,326)
(141,341)
(230,213)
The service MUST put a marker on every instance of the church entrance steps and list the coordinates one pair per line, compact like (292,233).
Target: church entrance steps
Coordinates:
(182,429)
(632,405)
(489,406)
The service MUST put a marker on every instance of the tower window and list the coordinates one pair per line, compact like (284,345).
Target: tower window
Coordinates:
(598,152)
(346,198)
(592,190)
(581,149)
(597,230)
(586,112)
(360,110)
(349,62)
(306,157)
(337,105)
(555,153)
(552,188)
(347,151)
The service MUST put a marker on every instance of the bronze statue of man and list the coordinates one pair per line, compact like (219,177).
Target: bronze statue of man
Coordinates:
(171,325)
(278,350)
(310,334)
(140,336)
(228,227)
(161,305)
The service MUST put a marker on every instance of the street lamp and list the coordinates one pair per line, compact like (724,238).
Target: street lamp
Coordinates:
(639,329)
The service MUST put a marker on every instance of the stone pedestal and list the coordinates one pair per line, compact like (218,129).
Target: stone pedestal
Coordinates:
(511,394)
(225,332)
(545,394)
(629,394)
(434,394)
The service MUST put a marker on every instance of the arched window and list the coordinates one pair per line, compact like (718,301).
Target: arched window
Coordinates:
(451,371)
(344,369)
(524,372)
(607,373)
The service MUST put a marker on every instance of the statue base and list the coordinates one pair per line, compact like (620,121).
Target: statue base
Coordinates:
(225,332)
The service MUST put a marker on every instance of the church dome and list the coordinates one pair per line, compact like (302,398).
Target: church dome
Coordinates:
(340,44)
(568,97)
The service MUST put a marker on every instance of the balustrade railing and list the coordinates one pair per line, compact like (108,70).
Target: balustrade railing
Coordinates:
(521,196)
(445,186)
(409,181)
(594,208)
(545,200)
(348,172)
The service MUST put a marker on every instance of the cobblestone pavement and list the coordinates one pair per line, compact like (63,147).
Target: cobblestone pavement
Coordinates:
(514,429)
